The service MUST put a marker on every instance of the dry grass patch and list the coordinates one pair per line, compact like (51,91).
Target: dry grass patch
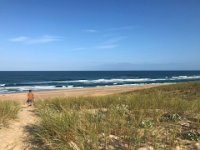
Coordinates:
(8,111)
(162,117)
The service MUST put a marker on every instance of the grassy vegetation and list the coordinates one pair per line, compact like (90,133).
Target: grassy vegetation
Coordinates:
(8,110)
(162,117)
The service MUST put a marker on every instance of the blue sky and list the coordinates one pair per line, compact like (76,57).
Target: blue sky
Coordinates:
(99,34)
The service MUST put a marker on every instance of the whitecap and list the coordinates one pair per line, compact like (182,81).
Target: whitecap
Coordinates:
(2,85)
(184,77)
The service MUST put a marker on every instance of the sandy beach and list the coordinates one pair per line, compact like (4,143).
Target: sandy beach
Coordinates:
(98,91)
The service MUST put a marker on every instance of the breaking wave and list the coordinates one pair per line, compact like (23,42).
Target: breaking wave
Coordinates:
(185,77)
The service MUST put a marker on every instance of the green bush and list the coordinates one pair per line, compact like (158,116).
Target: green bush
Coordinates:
(191,135)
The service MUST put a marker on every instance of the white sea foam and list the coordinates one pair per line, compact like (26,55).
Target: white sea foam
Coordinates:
(3,91)
(99,81)
(70,86)
(119,80)
(111,80)
(2,85)
(35,88)
(184,77)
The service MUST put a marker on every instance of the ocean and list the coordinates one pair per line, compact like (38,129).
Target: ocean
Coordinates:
(21,81)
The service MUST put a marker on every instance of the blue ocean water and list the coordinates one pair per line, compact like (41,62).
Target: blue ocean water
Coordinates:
(20,81)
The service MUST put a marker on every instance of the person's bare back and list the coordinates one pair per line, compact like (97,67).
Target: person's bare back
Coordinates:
(30,98)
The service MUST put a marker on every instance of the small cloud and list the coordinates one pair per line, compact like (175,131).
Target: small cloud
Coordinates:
(107,46)
(114,40)
(44,39)
(110,43)
(19,39)
(35,40)
(129,27)
(90,30)
(79,49)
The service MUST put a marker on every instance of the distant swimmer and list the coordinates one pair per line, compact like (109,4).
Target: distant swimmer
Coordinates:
(30,98)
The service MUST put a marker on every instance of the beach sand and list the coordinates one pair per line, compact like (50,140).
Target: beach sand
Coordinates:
(98,91)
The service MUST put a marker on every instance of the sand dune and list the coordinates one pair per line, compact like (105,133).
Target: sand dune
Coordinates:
(15,136)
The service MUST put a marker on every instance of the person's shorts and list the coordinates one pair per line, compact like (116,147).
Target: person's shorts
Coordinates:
(29,102)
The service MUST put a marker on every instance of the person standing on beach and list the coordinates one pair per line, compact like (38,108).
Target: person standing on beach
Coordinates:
(30,97)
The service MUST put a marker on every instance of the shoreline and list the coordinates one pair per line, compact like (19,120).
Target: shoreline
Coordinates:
(95,91)
(78,88)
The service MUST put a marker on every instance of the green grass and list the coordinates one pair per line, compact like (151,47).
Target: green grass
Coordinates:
(8,111)
(153,117)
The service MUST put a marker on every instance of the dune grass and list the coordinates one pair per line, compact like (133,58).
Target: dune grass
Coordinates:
(8,111)
(162,117)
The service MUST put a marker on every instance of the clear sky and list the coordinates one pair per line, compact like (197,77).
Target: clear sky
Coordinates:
(99,34)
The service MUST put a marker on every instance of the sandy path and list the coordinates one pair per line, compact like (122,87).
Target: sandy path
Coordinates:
(14,137)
